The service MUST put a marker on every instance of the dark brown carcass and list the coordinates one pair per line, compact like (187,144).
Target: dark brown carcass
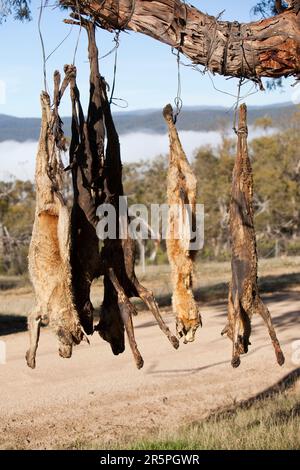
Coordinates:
(97,180)
(118,255)
(85,259)
(244,299)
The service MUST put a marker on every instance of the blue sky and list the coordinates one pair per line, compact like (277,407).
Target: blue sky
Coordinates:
(146,75)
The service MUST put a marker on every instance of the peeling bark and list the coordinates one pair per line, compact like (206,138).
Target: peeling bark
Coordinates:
(267,48)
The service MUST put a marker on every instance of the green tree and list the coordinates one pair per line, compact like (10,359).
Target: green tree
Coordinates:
(20,9)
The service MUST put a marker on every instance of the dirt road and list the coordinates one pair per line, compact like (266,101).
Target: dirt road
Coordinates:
(95,396)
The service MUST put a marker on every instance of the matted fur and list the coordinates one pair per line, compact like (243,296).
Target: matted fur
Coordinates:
(49,251)
(244,299)
(181,192)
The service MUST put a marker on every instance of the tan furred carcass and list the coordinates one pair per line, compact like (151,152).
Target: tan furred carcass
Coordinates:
(181,192)
(244,299)
(49,252)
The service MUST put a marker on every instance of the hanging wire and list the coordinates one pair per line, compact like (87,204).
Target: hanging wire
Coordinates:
(109,52)
(119,102)
(117,41)
(178,100)
(42,6)
(61,42)
(238,99)
(127,21)
(79,32)
(112,99)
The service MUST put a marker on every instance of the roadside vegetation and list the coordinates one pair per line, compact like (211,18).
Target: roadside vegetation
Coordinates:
(268,423)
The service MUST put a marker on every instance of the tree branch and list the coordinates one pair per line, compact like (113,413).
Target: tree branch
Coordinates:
(267,48)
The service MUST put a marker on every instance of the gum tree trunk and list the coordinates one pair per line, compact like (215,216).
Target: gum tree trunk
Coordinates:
(267,48)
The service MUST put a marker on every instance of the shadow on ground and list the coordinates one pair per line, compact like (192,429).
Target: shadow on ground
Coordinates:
(285,384)
(12,282)
(215,292)
(214,295)
(12,324)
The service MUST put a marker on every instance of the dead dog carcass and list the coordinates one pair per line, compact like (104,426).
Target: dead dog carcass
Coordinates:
(181,193)
(244,299)
(49,252)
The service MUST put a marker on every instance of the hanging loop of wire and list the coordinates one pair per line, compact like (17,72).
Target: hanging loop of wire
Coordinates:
(127,21)
(59,44)
(42,6)
(178,100)
(117,44)
(79,32)
(238,98)
(236,106)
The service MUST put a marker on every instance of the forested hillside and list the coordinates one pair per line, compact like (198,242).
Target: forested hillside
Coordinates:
(191,118)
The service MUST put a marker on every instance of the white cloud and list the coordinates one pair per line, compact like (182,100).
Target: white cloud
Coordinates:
(142,145)
(18,158)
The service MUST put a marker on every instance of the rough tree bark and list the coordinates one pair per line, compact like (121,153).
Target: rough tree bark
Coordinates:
(267,48)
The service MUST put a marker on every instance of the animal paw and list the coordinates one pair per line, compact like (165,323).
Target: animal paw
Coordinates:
(30,359)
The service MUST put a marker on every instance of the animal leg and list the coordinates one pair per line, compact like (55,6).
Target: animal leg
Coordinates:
(111,326)
(65,342)
(265,314)
(34,326)
(228,329)
(148,297)
(233,327)
(236,340)
(69,332)
(126,311)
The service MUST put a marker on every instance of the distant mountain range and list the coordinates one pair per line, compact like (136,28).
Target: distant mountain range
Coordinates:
(191,119)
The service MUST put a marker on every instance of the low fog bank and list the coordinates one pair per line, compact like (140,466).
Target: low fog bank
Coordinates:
(17,159)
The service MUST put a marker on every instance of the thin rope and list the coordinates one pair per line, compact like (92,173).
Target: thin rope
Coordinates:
(108,53)
(178,100)
(122,106)
(58,46)
(237,105)
(42,6)
(127,21)
(79,32)
(117,41)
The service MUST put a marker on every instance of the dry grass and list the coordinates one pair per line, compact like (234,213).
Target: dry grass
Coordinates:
(267,424)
